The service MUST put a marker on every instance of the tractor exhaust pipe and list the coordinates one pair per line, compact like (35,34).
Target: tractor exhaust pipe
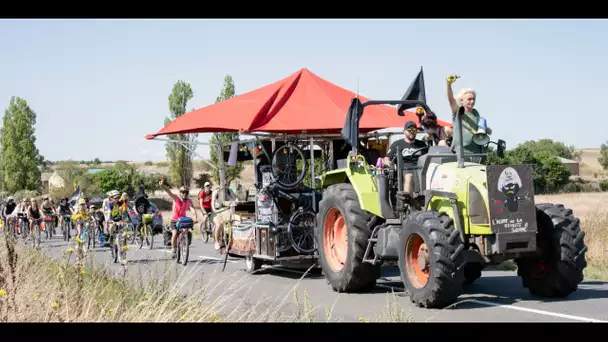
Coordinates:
(459,147)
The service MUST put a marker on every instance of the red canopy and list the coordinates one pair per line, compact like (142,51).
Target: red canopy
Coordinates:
(300,102)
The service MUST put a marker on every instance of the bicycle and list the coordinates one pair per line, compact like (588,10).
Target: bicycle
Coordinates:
(183,224)
(85,236)
(49,226)
(66,226)
(208,229)
(35,231)
(145,231)
(118,242)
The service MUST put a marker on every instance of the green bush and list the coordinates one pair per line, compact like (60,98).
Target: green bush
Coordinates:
(604,185)
(149,163)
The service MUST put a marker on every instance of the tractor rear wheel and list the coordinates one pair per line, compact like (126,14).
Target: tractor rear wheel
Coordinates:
(558,269)
(343,236)
(431,259)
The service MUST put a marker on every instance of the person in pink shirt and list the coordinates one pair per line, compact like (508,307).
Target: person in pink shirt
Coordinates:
(181,204)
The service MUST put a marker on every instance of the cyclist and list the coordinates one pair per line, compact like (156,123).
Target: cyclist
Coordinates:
(105,208)
(81,216)
(204,202)
(65,209)
(142,206)
(20,210)
(8,209)
(33,212)
(180,205)
(115,212)
(47,207)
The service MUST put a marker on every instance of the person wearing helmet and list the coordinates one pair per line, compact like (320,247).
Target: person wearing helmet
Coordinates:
(81,216)
(116,213)
(65,209)
(180,204)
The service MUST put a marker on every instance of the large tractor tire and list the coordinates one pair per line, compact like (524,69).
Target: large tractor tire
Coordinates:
(343,234)
(431,259)
(558,269)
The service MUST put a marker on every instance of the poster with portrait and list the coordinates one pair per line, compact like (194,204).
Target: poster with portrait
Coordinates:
(511,198)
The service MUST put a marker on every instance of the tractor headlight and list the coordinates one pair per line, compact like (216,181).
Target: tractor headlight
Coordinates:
(477,207)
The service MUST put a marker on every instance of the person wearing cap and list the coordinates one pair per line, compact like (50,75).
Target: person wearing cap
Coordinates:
(204,201)
(408,145)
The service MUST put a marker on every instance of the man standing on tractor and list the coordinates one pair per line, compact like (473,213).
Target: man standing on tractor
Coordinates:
(408,145)
(466,98)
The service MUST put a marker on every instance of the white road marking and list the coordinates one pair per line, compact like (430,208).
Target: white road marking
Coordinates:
(542,312)
(513,307)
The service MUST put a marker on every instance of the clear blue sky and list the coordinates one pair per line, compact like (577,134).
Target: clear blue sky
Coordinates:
(99,86)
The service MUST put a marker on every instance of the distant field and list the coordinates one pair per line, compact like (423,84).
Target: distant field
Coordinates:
(589,164)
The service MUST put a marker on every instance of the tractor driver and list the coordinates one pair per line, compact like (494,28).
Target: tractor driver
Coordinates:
(408,145)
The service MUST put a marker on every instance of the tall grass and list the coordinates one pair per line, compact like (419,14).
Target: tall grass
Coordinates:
(37,288)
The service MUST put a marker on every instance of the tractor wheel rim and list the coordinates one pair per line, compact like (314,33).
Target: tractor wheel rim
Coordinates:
(417,261)
(335,239)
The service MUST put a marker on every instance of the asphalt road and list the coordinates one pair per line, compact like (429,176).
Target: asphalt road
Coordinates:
(497,296)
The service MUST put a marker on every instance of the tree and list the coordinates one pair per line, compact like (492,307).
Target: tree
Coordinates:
(179,156)
(232,172)
(20,157)
(603,159)
(555,148)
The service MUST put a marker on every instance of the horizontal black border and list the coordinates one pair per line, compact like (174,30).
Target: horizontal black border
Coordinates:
(290,332)
(299,10)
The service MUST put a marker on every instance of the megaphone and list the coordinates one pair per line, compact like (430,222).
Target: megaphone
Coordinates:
(481,137)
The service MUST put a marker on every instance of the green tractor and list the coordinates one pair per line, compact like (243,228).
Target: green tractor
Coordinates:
(462,217)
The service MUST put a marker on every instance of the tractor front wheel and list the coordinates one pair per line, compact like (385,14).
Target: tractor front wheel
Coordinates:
(431,259)
(343,236)
(558,269)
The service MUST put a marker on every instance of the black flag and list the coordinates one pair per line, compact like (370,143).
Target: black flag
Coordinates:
(416,92)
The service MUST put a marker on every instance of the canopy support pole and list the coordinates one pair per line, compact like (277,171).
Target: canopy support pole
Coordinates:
(222,172)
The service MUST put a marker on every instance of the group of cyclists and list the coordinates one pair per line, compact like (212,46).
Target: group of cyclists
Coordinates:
(116,207)
(28,212)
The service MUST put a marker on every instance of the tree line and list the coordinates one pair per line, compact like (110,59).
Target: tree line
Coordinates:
(21,162)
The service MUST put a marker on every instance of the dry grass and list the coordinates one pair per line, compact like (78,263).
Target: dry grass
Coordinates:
(592,210)
(37,288)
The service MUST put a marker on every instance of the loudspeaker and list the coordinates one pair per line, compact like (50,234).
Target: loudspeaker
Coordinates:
(481,137)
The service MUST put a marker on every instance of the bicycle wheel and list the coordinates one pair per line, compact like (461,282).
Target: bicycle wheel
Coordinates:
(285,163)
(114,248)
(122,252)
(149,236)
(178,257)
(301,231)
(66,230)
(86,238)
(204,232)
(185,247)
(37,233)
